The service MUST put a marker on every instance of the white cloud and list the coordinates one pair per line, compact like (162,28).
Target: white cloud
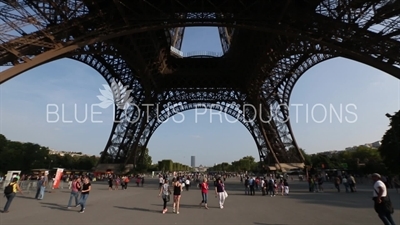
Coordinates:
(195,136)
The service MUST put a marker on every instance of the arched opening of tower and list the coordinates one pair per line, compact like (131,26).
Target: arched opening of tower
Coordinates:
(57,105)
(349,109)
(211,136)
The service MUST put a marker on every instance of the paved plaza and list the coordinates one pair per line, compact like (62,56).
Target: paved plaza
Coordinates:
(142,206)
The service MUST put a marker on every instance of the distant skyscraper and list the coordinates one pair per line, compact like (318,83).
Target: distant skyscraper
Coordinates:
(193,161)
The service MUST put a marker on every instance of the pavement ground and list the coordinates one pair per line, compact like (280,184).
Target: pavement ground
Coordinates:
(142,206)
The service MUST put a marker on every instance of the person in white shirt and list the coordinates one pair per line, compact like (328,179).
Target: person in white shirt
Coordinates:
(160,181)
(263,187)
(187,184)
(346,184)
(382,203)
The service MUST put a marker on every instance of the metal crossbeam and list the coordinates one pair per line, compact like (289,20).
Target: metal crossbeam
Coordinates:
(267,46)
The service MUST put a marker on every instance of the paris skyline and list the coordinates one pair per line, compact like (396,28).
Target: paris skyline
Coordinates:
(336,82)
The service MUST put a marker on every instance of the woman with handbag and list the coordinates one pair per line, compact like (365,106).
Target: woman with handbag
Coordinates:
(382,203)
(220,193)
(165,193)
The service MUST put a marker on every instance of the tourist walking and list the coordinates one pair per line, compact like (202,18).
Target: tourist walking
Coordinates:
(247,186)
(320,181)
(10,191)
(86,187)
(346,184)
(177,194)
(264,187)
(352,182)
(126,182)
(39,184)
(271,189)
(204,193)
(42,183)
(337,183)
(252,182)
(286,187)
(382,204)
(117,182)
(220,193)
(165,193)
(110,183)
(187,184)
(161,181)
(75,188)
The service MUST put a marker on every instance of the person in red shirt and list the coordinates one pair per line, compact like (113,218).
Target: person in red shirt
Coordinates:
(204,192)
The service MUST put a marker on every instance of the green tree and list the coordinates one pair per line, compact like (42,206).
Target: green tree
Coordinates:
(3,142)
(307,157)
(144,160)
(166,165)
(390,147)
(27,156)
(224,166)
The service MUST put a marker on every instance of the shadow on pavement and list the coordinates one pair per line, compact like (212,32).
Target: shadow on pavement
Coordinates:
(255,223)
(349,200)
(25,196)
(56,206)
(139,209)
(180,205)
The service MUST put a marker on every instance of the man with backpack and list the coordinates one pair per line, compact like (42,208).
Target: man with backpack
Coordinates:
(10,191)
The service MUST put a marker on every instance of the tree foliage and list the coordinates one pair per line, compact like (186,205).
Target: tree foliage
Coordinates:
(390,147)
(144,160)
(363,159)
(168,165)
(247,163)
(27,156)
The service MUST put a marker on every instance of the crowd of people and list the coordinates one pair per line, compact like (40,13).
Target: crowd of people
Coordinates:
(80,188)
(172,189)
(268,186)
(178,183)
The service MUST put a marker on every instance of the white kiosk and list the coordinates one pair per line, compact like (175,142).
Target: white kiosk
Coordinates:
(10,175)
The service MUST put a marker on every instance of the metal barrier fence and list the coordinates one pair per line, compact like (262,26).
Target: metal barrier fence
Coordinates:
(28,186)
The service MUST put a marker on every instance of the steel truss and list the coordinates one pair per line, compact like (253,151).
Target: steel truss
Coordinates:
(128,43)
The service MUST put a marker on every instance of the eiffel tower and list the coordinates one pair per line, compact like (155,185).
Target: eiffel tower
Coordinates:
(267,46)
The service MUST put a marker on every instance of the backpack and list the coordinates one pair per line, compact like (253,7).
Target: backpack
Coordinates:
(9,189)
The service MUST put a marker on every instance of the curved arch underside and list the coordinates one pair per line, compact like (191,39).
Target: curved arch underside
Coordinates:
(267,46)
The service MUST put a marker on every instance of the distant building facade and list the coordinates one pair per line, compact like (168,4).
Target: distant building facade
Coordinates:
(375,144)
(193,161)
(63,153)
(200,168)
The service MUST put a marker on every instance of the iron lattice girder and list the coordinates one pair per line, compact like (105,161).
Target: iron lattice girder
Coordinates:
(227,101)
(202,73)
(177,36)
(26,31)
(141,50)
(281,26)
(117,73)
(363,51)
(186,21)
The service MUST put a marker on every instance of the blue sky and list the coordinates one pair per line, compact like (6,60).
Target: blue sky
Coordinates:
(26,99)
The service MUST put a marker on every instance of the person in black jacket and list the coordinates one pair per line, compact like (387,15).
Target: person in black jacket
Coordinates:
(86,188)
(247,186)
